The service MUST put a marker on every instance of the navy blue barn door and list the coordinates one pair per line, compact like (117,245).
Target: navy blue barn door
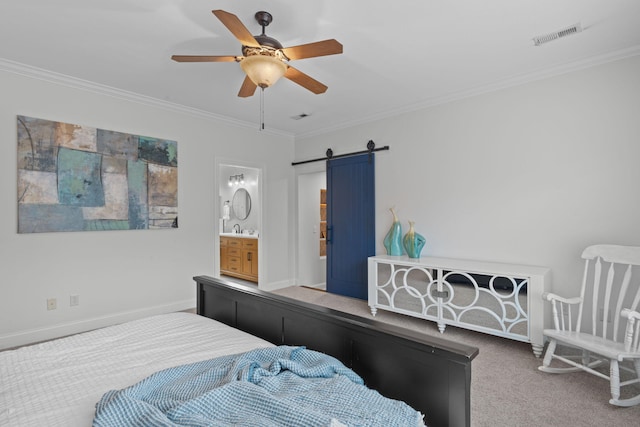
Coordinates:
(350,223)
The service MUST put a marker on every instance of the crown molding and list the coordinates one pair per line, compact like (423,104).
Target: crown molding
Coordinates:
(76,83)
(480,90)
(73,82)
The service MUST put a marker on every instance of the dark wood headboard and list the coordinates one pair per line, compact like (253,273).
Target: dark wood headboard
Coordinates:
(431,374)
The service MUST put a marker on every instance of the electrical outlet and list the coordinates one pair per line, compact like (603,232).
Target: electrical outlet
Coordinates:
(74,300)
(52,304)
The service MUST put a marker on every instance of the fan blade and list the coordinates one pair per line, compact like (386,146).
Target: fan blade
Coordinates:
(236,27)
(201,58)
(311,50)
(304,80)
(248,88)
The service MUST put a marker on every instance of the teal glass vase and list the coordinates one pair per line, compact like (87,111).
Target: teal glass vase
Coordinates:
(413,242)
(393,240)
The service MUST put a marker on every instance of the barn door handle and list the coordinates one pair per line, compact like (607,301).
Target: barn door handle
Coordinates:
(329,233)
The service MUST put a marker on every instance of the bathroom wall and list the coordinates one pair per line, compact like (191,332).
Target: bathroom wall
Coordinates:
(251,184)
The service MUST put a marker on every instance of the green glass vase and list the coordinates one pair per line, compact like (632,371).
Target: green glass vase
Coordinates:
(413,242)
(393,240)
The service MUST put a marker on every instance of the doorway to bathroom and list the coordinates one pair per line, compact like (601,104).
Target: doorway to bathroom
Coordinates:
(312,261)
(239,218)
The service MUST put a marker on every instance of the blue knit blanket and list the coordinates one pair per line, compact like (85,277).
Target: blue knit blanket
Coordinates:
(278,386)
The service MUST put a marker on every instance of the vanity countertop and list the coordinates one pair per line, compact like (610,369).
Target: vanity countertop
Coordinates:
(244,236)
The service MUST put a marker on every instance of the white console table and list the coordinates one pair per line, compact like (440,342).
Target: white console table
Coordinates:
(494,298)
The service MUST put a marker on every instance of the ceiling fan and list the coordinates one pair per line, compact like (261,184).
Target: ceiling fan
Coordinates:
(263,59)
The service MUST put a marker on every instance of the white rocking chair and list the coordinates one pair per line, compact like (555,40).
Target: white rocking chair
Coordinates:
(608,294)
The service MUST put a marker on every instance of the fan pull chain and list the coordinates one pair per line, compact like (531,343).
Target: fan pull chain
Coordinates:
(261,109)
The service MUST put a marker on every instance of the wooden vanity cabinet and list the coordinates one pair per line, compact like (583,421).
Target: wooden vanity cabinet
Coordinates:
(239,257)
(223,254)
(250,257)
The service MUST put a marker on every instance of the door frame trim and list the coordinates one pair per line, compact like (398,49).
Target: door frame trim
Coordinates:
(217,208)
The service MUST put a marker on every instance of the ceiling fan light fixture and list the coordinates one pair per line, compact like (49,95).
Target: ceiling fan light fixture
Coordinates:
(263,70)
(264,60)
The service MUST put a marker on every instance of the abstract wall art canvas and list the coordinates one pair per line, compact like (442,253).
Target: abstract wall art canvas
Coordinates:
(80,178)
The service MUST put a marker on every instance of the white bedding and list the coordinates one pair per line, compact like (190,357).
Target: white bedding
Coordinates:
(58,383)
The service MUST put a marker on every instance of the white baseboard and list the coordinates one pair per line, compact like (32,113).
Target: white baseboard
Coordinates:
(69,328)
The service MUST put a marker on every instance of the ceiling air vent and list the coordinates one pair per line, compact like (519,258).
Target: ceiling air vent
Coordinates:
(300,116)
(546,38)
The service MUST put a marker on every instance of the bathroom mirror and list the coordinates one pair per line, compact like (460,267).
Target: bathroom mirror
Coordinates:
(241,204)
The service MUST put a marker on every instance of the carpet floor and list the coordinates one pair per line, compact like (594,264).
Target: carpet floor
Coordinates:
(507,389)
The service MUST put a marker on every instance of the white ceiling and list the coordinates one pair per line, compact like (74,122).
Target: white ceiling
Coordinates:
(398,55)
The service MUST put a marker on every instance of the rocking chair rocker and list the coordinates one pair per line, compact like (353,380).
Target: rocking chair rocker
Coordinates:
(608,294)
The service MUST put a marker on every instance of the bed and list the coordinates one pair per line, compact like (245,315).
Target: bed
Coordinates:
(430,373)
(58,383)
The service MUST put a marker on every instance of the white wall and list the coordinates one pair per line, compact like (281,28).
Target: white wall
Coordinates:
(126,274)
(529,174)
